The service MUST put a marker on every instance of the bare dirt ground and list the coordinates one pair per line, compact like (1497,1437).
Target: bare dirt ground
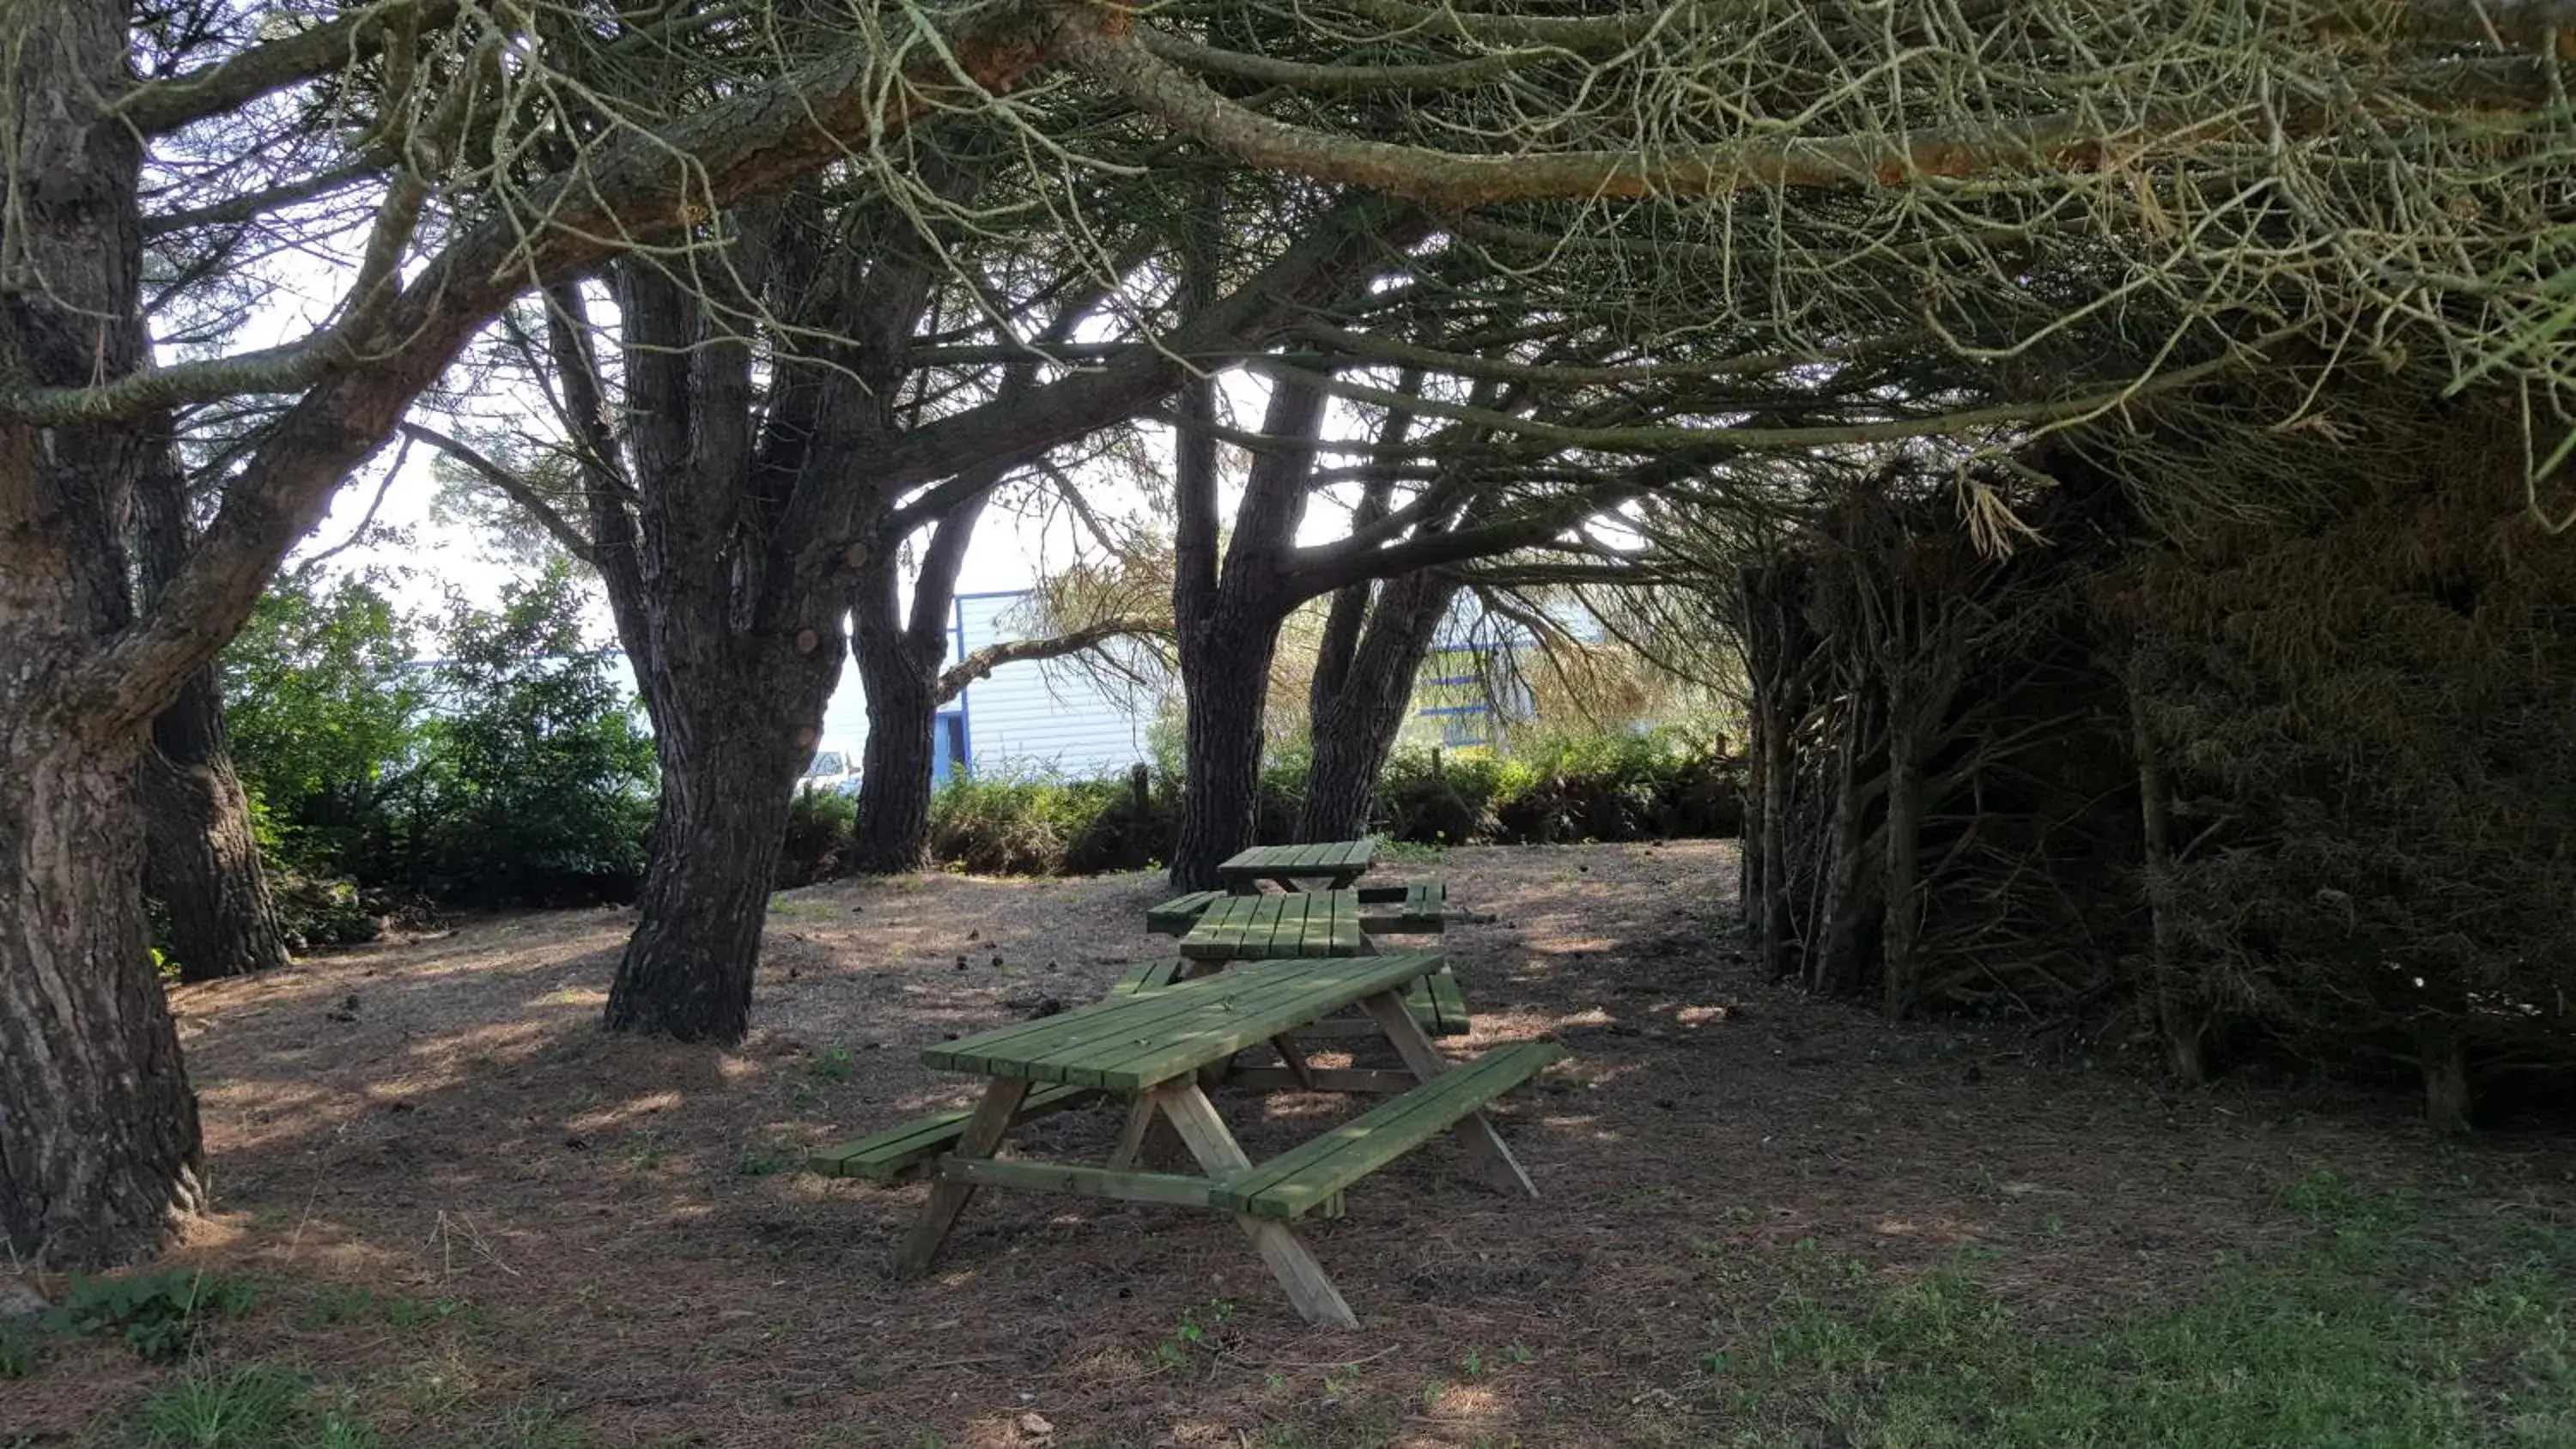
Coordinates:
(617,1232)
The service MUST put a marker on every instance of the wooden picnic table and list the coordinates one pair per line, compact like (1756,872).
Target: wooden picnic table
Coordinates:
(1153,1049)
(1335,862)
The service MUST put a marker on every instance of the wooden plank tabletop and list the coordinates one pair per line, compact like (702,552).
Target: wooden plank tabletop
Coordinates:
(1273,862)
(1128,1043)
(1299,926)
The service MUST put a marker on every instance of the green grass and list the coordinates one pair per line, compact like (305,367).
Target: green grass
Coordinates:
(254,1406)
(2388,1326)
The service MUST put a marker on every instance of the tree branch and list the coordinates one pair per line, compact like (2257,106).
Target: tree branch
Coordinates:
(639,185)
(167,105)
(984,661)
(537,505)
(1337,79)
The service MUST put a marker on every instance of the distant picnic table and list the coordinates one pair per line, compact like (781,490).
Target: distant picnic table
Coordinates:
(1335,862)
(1153,1049)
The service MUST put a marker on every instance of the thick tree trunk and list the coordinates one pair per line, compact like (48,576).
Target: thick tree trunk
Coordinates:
(728,775)
(1225,675)
(202,863)
(1354,724)
(735,718)
(99,1145)
(893,832)
(98,1130)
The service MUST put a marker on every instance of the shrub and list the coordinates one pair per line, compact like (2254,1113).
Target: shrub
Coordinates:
(1660,784)
(159,1315)
(538,778)
(820,824)
(1663,783)
(513,770)
(1044,824)
(322,708)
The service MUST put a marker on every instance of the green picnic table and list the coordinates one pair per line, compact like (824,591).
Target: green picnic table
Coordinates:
(1153,1050)
(1335,862)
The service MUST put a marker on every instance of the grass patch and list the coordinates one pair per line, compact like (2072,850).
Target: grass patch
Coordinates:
(2387,1327)
(248,1406)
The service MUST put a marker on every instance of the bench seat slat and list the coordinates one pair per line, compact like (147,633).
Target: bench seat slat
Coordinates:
(1175,916)
(1305,1178)
(887,1155)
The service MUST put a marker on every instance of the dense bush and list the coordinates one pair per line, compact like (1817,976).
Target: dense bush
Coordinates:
(1659,784)
(510,770)
(536,781)
(819,827)
(1046,825)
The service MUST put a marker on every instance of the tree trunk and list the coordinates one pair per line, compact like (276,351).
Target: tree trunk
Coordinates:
(893,832)
(1904,840)
(727,779)
(98,1131)
(1225,675)
(1837,966)
(899,652)
(2180,1021)
(99,1145)
(735,718)
(1355,724)
(201,862)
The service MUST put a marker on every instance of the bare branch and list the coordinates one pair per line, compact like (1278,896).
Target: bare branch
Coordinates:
(537,505)
(984,661)
(333,45)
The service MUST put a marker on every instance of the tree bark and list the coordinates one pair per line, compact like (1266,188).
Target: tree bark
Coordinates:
(2180,1021)
(731,743)
(1848,898)
(99,1147)
(99,1143)
(1229,621)
(901,680)
(1225,672)
(1903,835)
(1356,720)
(202,859)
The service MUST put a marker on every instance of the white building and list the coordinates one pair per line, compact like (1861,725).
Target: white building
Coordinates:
(1050,716)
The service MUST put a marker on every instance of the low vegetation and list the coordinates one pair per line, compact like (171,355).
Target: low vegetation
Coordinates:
(1664,783)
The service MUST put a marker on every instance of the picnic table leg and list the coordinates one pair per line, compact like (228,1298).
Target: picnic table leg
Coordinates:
(1290,1260)
(1498,1167)
(984,1132)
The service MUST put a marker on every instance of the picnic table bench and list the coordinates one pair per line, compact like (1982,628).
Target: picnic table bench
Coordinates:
(1335,862)
(1151,1049)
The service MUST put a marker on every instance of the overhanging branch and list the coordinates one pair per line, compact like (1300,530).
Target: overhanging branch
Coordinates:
(984,661)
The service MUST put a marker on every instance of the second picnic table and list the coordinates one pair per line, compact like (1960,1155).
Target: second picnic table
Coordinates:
(1337,863)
